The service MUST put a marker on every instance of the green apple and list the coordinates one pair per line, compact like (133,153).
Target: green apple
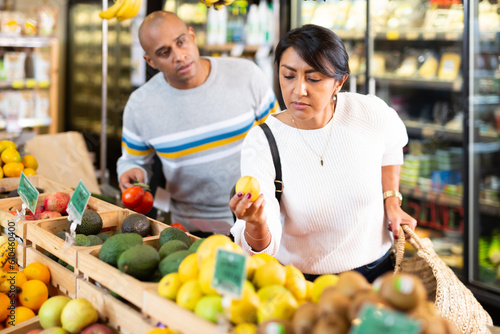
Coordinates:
(50,312)
(78,314)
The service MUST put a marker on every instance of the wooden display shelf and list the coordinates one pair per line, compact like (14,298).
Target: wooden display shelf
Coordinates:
(15,203)
(23,327)
(11,183)
(174,316)
(115,313)
(41,234)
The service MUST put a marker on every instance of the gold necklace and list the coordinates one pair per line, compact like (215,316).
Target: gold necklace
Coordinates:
(305,141)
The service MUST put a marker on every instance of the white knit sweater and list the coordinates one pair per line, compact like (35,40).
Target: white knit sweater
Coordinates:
(331,217)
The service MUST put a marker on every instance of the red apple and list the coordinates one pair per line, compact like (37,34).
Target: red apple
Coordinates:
(34,331)
(97,329)
(57,202)
(47,215)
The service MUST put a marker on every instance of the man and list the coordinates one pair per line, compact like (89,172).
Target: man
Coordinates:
(193,115)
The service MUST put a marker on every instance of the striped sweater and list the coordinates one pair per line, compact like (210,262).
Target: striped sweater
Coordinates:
(197,134)
(331,217)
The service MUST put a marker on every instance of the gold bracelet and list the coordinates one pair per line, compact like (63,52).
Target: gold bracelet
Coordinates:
(268,232)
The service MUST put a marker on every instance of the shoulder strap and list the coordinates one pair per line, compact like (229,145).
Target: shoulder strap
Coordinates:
(278,183)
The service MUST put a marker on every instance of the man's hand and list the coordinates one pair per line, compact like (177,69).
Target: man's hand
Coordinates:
(130,177)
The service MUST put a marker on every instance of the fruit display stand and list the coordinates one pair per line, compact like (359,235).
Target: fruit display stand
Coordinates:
(117,314)
(128,287)
(172,315)
(23,327)
(42,236)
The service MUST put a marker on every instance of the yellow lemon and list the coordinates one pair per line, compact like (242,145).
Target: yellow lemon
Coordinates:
(244,310)
(13,169)
(8,144)
(209,246)
(280,306)
(245,328)
(29,161)
(189,294)
(188,269)
(3,146)
(162,331)
(29,171)
(310,286)
(321,283)
(1,173)
(269,291)
(169,285)
(253,263)
(266,257)
(269,274)
(295,282)
(248,184)
(206,275)
(10,155)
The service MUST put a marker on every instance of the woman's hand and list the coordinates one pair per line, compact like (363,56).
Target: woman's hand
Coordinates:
(251,212)
(397,216)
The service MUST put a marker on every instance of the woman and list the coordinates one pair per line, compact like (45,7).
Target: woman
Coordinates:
(340,152)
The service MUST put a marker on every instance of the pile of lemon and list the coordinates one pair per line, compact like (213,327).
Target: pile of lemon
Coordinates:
(271,290)
(12,163)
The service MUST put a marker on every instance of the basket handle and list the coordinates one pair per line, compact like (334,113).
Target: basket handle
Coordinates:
(400,244)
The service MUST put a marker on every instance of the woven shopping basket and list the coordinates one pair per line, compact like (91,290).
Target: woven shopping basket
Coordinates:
(451,297)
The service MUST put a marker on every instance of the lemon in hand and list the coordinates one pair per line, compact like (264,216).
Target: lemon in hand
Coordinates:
(248,184)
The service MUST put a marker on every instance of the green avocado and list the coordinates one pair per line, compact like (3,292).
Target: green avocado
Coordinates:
(174,233)
(171,263)
(91,223)
(137,223)
(103,236)
(194,246)
(94,240)
(171,247)
(114,246)
(140,261)
(82,240)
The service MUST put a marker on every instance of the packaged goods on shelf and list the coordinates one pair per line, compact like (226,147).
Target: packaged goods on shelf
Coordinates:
(11,23)
(14,65)
(449,66)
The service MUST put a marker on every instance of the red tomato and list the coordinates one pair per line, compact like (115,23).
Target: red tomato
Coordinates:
(132,197)
(147,203)
(178,225)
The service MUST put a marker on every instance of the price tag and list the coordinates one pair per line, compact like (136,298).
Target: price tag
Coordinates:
(17,84)
(30,83)
(374,320)
(28,192)
(77,204)
(230,273)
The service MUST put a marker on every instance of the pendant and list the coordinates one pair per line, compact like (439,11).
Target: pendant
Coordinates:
(321,162)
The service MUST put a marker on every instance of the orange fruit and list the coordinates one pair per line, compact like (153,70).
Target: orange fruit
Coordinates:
(34,294)
(10,267)
(13,169)
(19,278)
(10,155)
(8,144)
(21,314)
(29,161)
(29,171)
(4,306)
(37,270)
(1,173)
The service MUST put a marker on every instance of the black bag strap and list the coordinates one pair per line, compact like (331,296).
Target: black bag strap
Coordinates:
(278,182)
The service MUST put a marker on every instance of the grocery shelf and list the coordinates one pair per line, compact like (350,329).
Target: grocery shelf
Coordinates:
(27,41)
(431,130)
(346,34)
(454,85)
(229,46)
(22,84)
(417,34)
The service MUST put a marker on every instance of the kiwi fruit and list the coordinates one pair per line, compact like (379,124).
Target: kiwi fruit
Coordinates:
(334,302)
(351,282)
(333,324)
(360,299)
(305,318)
(403,291)
(275,326)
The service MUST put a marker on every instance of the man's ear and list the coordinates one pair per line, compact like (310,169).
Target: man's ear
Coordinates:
(192,33)
(149,61)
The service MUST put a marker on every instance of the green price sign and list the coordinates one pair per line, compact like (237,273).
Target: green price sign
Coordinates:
(28,192)
(78,202)
(374,320)
(230,273)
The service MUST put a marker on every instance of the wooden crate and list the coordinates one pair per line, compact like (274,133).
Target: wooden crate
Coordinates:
(23,327)
(167,312)
(15,203)
(62,280)
(41,234)
(47,186)
(122,317)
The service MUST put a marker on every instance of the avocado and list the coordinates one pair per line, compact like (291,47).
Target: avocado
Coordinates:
(137,223)
(70,267)
(174,233)
(61,262)
(94,240)
(61,234)
(194,246)
(140,261)
(171,247)
(103,236)
(82,240)
(52,256)
(112,248)
(91,223)
(171,263)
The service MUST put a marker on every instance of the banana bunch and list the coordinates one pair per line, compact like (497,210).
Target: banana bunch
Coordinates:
(218,4)
(122,10)
(4,252)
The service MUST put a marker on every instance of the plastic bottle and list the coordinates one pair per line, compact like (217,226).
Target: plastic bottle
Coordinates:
(252,26)
(263,20)
(211,26)
(222,25)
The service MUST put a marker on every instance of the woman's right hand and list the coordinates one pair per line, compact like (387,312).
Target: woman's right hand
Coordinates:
(251,212)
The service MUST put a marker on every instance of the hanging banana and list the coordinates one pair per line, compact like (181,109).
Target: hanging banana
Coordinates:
(132,10)
(111,11)
(122,10)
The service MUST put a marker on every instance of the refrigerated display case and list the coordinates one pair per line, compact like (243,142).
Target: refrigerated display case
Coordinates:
(437,64)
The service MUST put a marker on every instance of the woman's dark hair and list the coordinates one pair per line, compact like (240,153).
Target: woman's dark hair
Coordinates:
(319,47)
